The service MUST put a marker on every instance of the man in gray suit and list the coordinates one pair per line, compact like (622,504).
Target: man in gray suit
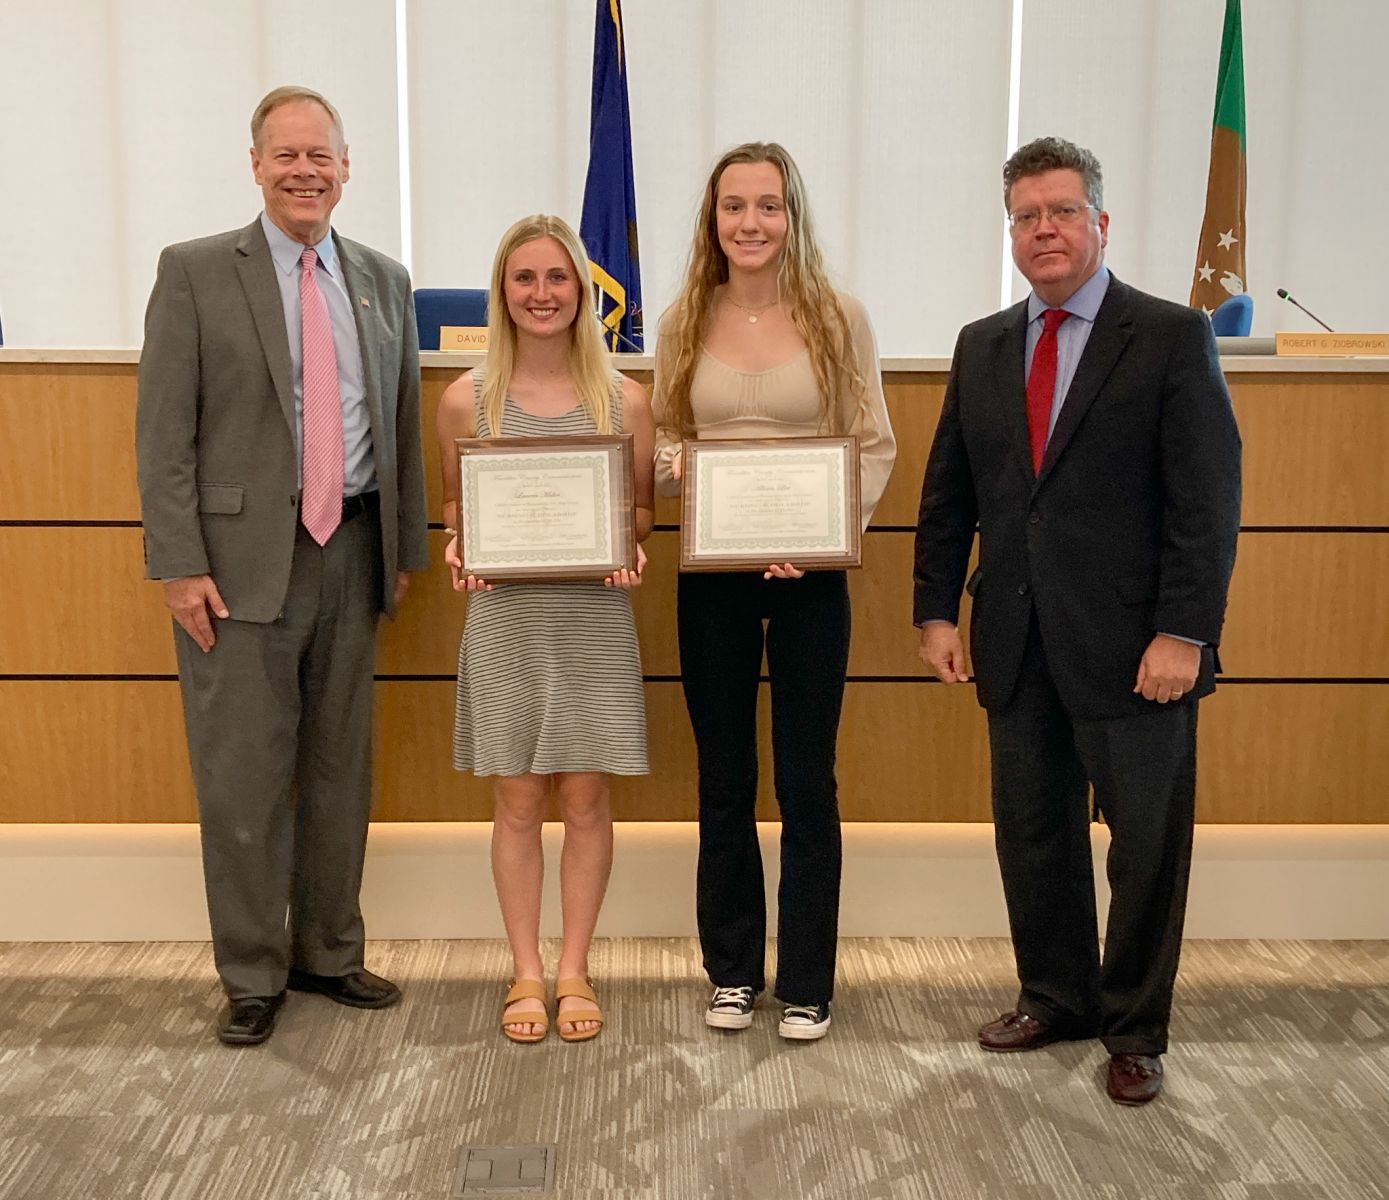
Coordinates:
(281,482)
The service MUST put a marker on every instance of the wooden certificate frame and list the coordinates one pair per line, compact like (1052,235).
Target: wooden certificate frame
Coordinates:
(538,509)
(750,502)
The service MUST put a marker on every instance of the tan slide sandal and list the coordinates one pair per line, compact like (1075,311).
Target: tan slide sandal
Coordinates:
(583,989)
(525,989)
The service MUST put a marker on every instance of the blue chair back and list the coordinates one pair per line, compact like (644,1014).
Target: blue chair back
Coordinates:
(447,306)
(1234,318)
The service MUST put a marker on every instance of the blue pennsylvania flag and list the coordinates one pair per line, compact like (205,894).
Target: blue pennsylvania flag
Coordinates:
(609,225)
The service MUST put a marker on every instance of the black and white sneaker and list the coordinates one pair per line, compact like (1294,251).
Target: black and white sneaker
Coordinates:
(804,1022)
(731,1008)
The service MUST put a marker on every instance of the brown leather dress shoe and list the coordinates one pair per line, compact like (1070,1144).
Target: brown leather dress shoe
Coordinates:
(249,1020)
(357,989)
(1134,1078)
(1017,1031)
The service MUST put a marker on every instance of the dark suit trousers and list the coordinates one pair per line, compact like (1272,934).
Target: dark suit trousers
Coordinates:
(807,641)
(1143,771)
(279,720)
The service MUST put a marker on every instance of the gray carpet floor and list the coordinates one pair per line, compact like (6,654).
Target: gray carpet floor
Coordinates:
(111,1084)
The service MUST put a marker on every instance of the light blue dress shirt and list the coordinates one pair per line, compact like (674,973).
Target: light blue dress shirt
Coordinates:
(359,465)
(1071,335)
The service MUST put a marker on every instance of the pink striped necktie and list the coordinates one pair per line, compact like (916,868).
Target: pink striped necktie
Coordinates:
(320,506)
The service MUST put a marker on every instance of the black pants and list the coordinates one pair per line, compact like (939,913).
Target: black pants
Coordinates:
(807,642)
(1143,771)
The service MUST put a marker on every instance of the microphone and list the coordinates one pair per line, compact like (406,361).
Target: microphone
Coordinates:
(607,329)
(1283,295)
(622,337)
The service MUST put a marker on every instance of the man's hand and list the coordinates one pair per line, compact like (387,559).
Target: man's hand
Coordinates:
(1168,669)
(402,585)
(190,599)
(942,650)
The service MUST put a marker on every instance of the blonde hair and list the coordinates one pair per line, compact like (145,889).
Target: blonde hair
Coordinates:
(818,315)
(293,94)
(589,364)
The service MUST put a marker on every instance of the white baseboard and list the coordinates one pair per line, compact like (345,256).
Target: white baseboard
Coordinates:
(144,882)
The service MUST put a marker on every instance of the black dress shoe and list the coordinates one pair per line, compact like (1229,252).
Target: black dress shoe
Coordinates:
(1134,1078)
(249,1020)
(357,989)
(1017,1031)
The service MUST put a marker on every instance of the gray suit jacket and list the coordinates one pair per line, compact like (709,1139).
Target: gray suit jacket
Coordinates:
(214,423)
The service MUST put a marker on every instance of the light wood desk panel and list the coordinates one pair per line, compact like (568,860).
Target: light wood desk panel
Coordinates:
(1302,605)
(114,751)
(1313,443)
(416,780)
(1314,448)
(76,601)
(913,404)
(425,639)
(1294,754)
(1308,606)
(93,750)
(68,451)
(84,750)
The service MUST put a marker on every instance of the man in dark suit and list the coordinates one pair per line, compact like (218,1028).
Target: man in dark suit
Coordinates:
(1088,433)
(281,482)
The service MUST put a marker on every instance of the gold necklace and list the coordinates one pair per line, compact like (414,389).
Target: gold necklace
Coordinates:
(753,313)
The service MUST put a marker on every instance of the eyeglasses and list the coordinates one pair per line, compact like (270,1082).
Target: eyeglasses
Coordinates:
(1025,219)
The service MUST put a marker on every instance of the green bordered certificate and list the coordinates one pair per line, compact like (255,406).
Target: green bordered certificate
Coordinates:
(752,502)
(535,509)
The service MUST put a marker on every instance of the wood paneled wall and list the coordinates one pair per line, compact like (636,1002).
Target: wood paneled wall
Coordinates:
(91,728)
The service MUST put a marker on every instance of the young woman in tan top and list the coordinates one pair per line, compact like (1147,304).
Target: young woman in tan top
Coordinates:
(758,344)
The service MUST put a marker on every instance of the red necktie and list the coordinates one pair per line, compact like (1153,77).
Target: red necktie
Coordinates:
(320,507)
(1041,385)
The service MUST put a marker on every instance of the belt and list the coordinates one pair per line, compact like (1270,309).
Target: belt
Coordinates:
(355,506)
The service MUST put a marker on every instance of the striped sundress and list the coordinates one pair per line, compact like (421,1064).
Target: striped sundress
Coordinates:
(549,674)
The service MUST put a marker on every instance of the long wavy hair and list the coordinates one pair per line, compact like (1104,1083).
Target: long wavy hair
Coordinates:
(589,364)
(815,308)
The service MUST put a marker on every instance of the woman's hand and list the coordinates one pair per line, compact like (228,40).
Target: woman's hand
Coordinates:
(628,579)
(461,582)
(782,571)
(677,464)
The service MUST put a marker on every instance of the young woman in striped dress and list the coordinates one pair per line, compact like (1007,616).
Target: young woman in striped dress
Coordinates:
(550,692)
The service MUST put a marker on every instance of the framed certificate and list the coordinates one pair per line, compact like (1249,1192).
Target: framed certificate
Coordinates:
(749,503)
(535,508)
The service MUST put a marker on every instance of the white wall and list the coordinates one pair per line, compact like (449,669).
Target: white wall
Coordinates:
(1136,83)
(125,128)
(124,125)
(895,112)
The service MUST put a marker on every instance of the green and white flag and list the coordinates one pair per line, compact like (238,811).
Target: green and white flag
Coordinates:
(1220,271)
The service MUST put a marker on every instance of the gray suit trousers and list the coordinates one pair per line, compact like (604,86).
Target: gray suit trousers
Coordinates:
(279,720)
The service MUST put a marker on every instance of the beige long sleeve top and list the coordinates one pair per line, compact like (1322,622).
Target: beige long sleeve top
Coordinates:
(783,401)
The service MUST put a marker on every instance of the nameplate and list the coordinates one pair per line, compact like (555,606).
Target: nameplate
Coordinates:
(466,338)
(1332,345)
